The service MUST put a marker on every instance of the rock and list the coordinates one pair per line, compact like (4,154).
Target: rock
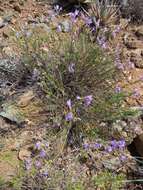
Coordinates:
(8,51)
(12,113)
(25,138)
(11,70)
(138,141)
(2,23)
(7,32)
(133,10)
(26,108)
(131,42)
(24,154)
(112,164)
(136,58)
(8,17)
(139,32)
(5,127)
(26,98)
(17,8)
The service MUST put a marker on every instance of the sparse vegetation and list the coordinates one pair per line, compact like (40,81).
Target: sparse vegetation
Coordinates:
(78,112)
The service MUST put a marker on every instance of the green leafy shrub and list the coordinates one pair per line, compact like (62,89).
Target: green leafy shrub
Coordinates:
(107,181)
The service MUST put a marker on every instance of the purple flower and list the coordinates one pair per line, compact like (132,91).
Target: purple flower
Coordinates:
(74,15)
(87,100)
(85,145)
(38,145)
(28,164)
(59,28)
(117,144)
(121,144)
(69,116)
(97,145)
(109,149)
(131,65)
(136,93)
(116,31)
(117,89)
(47,145)
(78,98)
(71,68)
(57,9)
(45,173)
(118,63)
(114,144)
(87,20)
(102,42)
(38,164)
(69,104)
(104,45)
(123,158)
(42,154)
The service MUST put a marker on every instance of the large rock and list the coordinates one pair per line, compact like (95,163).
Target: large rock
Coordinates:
(138,141)
(131,42)
(2,24)
(133,9)
(137,58)
(139,32)
(11,70)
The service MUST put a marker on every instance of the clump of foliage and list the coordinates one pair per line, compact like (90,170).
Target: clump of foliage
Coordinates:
(107,180)
(79,80)
(104,11)
(77,77)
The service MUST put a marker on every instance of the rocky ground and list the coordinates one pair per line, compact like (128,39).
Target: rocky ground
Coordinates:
(23,118)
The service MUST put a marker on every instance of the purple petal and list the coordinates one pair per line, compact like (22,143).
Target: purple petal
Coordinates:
(109,149)
(38,145)
(59,28)
(42,154)
(86,146)
(88,100)
(69,116)
(118,89)
(28,164)
(38,164)
(78,98)
(69,104)
(121,144)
